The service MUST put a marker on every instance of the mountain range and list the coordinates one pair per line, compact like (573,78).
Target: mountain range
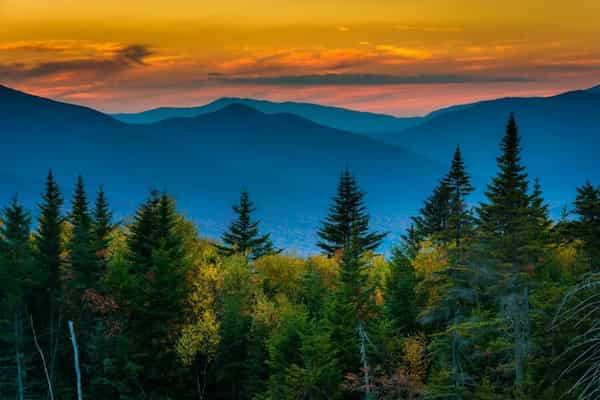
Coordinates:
(288,155)
(333,117)
(289,164)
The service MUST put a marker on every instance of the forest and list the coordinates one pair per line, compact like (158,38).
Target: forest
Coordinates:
(494,300)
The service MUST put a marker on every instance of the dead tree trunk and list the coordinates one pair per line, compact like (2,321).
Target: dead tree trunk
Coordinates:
(363,338)
(19,357)
(76,359)
(39,349)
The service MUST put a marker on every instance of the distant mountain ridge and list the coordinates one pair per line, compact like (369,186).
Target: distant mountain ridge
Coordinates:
(560,137)
(333,117)
(290,164)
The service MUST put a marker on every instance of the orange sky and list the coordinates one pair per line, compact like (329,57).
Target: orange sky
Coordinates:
(400,57)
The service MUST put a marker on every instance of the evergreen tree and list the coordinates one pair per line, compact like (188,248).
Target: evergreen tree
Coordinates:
(84,264)
(48,298)
(243,236)
(506,227)
(16,250)
(412,240)
(48,238)
(540,223)
(504,218)
(351,311)
(400,297)
(347,213)
(433,217)
(160,262)
(459,186)
(16,276)
(143,238)
(102,228)
(451,308)
(587,226)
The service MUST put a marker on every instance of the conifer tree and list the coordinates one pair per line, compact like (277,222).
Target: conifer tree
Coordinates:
(143,238)
(432,221)
(412,239)
(243,236)
(16,255)
(454,283)
(587,226)
(159,264)
(48,299)
(504,219)
(458,183)
(400,297)
(84,266)
(506,226)
(15,245)
(48,238)
(102,228)
(347,213)
(16,276)
(81,252)
(351,311)
(540,223)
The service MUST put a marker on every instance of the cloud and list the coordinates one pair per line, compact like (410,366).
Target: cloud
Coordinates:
(367,79)
(305,61)
(405,52)
(120,59)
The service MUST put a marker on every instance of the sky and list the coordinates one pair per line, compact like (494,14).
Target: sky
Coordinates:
(401,57)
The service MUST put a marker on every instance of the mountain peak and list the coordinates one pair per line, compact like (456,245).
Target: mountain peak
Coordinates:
(239,109)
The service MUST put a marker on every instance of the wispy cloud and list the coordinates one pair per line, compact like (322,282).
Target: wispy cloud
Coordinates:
(118,60)
(367,79)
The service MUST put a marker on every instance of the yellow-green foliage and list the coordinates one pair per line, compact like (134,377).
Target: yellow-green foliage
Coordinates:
(200,335)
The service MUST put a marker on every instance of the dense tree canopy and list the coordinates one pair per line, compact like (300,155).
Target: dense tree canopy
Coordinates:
(496,301)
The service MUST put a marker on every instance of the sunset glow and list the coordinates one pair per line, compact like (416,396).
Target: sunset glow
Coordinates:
(402,58)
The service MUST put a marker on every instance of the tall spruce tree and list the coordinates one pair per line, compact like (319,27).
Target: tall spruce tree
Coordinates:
(458,183)
(102,228)
(505,229)
(243,236)
(48,300)
(504,220)
(454,283)
(48,239)
(84,264)
(347,213)
(159,262)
